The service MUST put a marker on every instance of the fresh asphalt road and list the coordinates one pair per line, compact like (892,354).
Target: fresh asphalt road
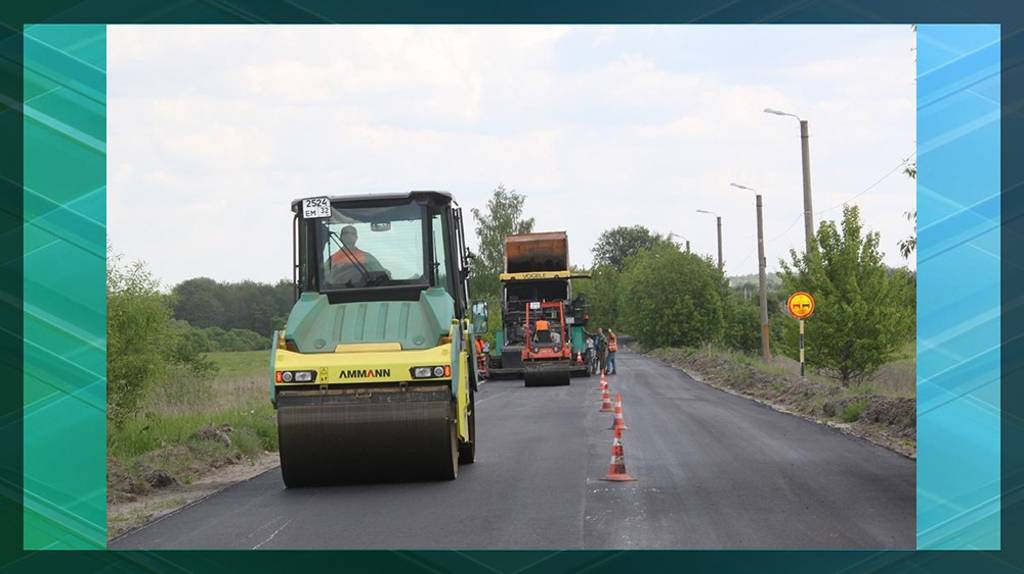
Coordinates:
(713,470)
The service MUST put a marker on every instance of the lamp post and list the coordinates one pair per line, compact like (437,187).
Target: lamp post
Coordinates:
(805,154)
(672,234)
(762,278)
(719,218)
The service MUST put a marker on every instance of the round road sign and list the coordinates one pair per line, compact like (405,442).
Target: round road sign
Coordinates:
(800,305)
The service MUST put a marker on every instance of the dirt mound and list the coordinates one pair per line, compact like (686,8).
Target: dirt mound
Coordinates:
(898,412)
(215,433)
(122,485)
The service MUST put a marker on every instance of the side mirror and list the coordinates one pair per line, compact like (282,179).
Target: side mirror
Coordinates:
(479,316)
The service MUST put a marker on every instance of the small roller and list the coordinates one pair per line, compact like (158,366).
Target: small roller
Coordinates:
(546,377)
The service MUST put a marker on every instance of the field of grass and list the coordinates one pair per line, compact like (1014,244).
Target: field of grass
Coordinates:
(234,400)
(242,364)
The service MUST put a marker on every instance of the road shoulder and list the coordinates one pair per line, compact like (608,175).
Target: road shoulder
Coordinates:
(126,514)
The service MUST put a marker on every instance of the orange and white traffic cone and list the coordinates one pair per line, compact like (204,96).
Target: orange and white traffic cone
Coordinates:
(617,466)
(604,381)
(619,423)
(606,402)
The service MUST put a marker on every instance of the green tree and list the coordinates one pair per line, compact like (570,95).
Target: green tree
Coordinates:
(742,322)
(137,328)
(198,301)
(861,314)
(908,245)
(670,298)
(249,305)
(502,217)
(616,245)
(602,294)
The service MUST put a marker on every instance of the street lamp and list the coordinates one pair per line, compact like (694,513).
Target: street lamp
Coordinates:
(762,279)
(805,154)
(673,234)
(719,234)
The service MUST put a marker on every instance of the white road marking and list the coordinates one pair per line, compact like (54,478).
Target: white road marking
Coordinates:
(271,537)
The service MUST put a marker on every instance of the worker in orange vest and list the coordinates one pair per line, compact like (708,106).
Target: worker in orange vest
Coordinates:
(541,326)
(481,358)
(349,263)
(613,345)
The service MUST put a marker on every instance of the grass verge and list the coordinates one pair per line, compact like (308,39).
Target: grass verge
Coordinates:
(189,426)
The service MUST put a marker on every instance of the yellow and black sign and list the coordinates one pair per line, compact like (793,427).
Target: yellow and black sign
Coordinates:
(800,305)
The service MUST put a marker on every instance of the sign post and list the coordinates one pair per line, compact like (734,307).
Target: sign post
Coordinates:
(801,306)
(801,349)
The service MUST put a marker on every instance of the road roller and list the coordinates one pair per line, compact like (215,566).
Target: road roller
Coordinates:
(547,353)
(374,375)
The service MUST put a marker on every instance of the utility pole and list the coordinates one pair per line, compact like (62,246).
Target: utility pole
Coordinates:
(719,218)
(766,353)
(687,245)
(762,278)
(805,155)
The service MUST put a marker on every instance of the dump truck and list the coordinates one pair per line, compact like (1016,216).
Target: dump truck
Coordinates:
(537,273)
(374,375)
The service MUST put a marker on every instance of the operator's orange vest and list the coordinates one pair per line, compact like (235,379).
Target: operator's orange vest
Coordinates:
(613,342)
(542,325)
(343,257)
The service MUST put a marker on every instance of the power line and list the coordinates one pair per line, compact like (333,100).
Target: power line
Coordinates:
(855,196)
(872,186)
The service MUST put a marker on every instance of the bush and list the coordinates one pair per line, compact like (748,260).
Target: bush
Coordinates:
(743,326)
(851,413)
(137,327)
(602,293)
(668,298)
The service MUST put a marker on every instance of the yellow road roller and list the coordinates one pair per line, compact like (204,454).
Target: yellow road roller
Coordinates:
(374,375)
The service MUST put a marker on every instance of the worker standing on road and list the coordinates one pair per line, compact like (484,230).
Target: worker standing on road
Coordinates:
(613,346)
(602,349)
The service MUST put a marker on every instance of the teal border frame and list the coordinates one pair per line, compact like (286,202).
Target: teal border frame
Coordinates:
(1011,218)
(64,262)
(958,287)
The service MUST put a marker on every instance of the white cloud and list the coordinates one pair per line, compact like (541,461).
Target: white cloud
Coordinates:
(214,129)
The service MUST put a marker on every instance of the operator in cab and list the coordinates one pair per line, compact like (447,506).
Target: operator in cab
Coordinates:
(542,330)
(349,264)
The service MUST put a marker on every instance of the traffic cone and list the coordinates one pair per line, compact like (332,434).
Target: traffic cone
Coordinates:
(604,381)
(606,402)
(617,466)
(618,423)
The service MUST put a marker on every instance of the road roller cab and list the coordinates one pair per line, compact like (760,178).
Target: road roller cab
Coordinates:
(374,375)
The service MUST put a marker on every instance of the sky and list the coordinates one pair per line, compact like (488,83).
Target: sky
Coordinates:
(213,130)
